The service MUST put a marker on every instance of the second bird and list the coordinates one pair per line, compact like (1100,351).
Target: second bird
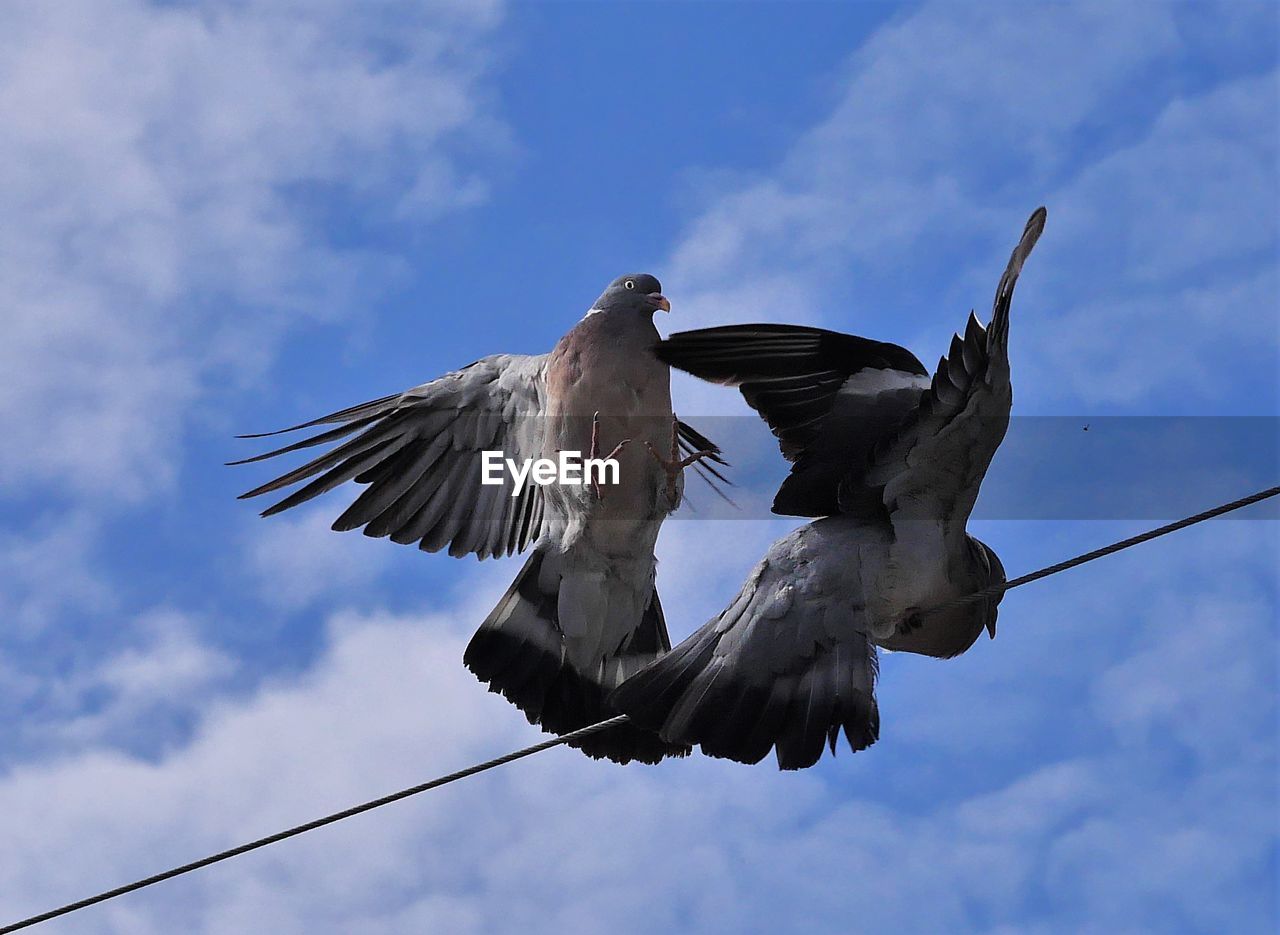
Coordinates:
(892,460)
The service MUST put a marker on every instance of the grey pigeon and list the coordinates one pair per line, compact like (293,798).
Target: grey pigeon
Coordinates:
(893,461)
(583,613)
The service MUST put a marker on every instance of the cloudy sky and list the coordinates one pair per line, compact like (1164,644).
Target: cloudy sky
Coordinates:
(229,216)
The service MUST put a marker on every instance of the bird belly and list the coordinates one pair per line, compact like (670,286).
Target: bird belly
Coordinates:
(924,571)
(899,570)
(625,402)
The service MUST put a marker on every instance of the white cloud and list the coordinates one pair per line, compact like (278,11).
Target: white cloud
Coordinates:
(160,163)
(145,691)
(953,123)
(931,106)
(49,570)
(1179,236)
(297,559)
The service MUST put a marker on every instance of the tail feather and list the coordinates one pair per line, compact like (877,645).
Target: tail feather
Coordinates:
(519,651)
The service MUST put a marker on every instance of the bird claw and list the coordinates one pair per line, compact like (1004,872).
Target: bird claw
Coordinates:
(675,465)
(595,451)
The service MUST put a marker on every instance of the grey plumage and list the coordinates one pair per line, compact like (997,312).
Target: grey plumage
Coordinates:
(791,661)
(415,451)
(583,613)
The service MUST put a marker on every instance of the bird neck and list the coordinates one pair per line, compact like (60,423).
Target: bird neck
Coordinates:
(623,322)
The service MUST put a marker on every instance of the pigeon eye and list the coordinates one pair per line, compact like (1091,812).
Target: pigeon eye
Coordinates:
(630,283)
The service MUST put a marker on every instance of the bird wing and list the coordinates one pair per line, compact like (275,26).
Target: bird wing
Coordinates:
(419,455)
(786,664)
(932,466)
(827,396)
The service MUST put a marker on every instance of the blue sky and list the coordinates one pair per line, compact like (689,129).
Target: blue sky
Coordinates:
(226,217)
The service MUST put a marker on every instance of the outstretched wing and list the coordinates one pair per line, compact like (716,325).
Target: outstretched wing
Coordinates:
(932,466)
(828,397)
(419,455)
(786,665)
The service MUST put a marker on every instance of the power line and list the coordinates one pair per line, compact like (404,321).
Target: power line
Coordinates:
(587,731)
(317,823)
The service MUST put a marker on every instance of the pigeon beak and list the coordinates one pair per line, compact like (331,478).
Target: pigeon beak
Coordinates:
(659,301)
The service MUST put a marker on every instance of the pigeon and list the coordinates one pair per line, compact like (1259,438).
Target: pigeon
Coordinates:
(891,461)
(583,613)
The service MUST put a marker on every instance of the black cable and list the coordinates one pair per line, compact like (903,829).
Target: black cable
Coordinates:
(616,721)
(317,823)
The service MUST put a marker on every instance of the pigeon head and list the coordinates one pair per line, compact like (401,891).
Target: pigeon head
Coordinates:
(638,292)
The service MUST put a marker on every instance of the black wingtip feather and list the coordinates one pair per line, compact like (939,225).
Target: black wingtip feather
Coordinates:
(693,440)
(320,439)
(342,415)
(736,353)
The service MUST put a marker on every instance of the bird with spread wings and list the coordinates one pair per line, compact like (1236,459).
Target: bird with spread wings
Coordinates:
(583,613)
